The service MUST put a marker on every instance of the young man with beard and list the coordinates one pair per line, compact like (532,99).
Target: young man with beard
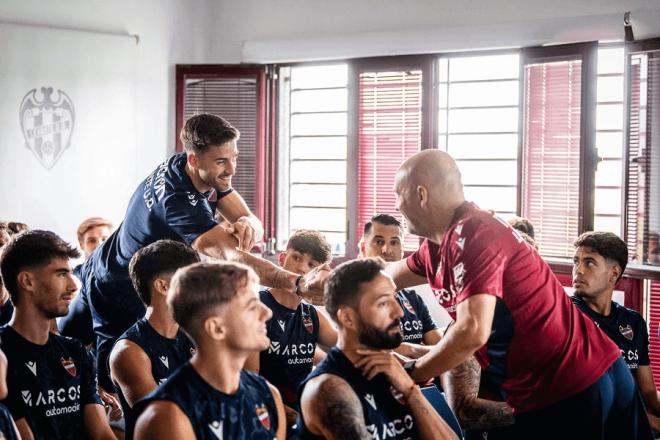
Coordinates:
(360,391)
(296,326)
(154,347)
(598,263)
(546,358)
(178,201)
(212,397)
(52,386)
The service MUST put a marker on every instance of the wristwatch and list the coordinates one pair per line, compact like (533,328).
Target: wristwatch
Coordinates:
(409,365)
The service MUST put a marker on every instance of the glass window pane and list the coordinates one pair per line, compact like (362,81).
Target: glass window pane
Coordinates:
(443,64)
(609,144)
(609,88)
(608,173)
(483,146)
(442,121)
(608,224)
(443,95)
(484,67)
(318,195)
(483,120)
(321,172)
(319,100)
(484,172)
(610,60)
(308,77)
(318,147)
(609,117)
(318,124)
(497,199)
(607,201)
(318,218)
(483,94)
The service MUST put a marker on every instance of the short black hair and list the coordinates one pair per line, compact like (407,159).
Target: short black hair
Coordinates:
(607,244)
(383,219)
(31,249)
(311,242)
(196,290)
(523,225)
(163,257)
(343,286)
(204,130)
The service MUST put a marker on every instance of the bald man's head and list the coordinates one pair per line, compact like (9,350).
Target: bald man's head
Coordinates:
(429,189)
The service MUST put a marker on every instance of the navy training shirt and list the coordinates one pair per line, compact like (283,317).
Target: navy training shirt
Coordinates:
(293,337)
(386,415)
(416,319)
(250,413)
(166,356)
(626,328)
(7,431)
(49,385)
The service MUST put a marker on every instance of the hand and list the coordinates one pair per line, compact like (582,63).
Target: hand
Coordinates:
(374,362)
(111,404)
(244,232)
(313,282)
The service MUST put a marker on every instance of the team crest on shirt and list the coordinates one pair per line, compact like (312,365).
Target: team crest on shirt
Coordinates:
(69,366)
(216,429)
(627,332)
(397,395)
(263,416)
(309,325)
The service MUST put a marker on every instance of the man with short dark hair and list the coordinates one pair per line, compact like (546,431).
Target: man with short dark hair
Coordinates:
(178,201)
(52,386)
(212,397)
(296,327)
(360,391)
(154,347)
(598,264)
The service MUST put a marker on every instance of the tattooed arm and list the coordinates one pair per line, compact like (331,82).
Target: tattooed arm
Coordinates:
(461,387)
(331,409)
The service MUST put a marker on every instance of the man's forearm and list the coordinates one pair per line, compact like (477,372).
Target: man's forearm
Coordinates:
(269,273)
(430,424)
(413,351)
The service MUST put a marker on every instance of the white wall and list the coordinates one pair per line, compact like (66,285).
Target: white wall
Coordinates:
(296,30)
(170,32)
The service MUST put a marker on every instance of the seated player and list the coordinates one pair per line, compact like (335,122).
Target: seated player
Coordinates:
(598,263)
(296,326)
(383,237)
(212,397)
(360,390)
(51,378)
(154,347)
(7,426)
(78,322)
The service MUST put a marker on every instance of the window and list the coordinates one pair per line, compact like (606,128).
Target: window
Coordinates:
(478,125)
(558,158)
(237,94)
(313,152)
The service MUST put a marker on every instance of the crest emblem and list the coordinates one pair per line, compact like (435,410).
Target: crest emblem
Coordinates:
(263,416)
(397,395)
(69,366)
(627,332)
(309,325)
(47,120)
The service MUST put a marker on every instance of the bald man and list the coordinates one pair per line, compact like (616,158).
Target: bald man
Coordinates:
(535,348)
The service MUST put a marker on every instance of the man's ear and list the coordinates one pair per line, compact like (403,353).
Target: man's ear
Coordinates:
(281,257)
(347,317)
(615,272)
(422,196)
(161,285)
(192,160)
(214,328)
(362,248)
(25,280)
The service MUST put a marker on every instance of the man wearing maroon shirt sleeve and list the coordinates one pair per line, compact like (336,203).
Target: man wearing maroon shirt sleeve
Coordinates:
(562,376)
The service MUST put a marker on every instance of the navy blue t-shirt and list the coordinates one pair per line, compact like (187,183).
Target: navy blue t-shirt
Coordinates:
(49,385)
(165,205)
(250,413)
(293,337)
(7,431)
(626,328)
(166,355)
(386,415)
(416,319)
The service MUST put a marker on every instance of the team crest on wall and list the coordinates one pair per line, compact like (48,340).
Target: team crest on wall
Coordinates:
(47,120)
